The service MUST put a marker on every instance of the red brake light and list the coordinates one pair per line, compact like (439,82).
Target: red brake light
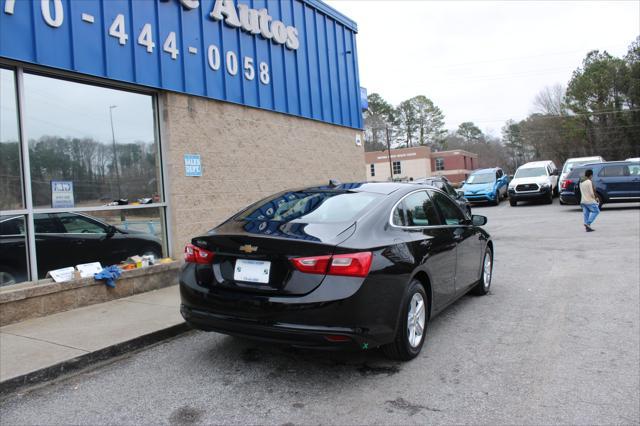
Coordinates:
(352,264)
(312,265)
(566,183)
(195,254)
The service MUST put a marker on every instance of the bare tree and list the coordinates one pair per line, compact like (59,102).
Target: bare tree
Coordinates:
(550,101)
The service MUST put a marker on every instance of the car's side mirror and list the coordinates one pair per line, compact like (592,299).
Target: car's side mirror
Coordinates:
(555,173)
(478,220)
(111,230)
(463,182)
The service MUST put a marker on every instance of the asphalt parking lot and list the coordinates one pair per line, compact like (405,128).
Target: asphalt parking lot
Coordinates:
(556,341)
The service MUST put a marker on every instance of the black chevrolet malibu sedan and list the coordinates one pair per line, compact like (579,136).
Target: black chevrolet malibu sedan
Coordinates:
(345,265)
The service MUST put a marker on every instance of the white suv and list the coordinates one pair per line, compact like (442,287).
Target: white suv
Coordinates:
(535,180)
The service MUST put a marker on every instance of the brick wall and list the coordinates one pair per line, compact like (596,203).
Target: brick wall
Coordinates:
(246,154)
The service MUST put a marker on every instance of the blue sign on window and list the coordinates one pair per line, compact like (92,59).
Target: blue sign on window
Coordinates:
(192,165)
(62,194)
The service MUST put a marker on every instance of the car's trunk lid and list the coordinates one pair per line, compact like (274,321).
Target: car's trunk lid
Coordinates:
(255,256)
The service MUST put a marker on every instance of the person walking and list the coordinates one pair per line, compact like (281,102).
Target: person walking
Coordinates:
(588,200)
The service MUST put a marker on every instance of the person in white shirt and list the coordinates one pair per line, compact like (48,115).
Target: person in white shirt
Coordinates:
(588,200)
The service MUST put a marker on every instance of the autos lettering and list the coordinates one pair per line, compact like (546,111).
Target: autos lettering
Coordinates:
(251,21)
(255,22)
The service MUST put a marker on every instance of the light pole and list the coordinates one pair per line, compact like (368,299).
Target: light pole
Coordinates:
(389,153)
(115,155)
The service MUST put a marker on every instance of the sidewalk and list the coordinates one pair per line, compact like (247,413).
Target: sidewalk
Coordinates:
(41,349)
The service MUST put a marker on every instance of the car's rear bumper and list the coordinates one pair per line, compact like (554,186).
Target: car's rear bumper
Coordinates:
(292,334)
(569,198)
(345,306)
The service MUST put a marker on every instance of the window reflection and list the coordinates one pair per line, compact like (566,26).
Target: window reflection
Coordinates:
(102,140)
(108,237)
(10,175)
(13,250)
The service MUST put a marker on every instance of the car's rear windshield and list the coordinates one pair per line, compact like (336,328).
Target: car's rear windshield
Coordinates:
(311,207)
(482,178)
(530,172)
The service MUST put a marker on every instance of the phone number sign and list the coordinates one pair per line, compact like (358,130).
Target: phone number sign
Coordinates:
(295,56)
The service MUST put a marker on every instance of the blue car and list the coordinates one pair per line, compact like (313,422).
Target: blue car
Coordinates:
(615,182)
(486,185)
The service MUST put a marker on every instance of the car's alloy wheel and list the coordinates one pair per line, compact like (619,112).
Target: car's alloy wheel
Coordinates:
(411,332)
(484,284)
(416,320)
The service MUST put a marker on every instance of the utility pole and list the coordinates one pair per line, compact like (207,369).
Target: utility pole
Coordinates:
(389,154)
(115,155)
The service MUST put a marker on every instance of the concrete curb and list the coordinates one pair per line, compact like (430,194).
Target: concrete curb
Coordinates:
(83,361)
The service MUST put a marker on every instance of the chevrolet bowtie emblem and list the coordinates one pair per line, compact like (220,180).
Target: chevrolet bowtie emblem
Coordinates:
(248,248)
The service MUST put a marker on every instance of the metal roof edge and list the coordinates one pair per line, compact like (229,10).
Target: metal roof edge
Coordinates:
(328,10)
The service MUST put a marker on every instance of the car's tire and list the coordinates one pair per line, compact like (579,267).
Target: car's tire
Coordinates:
(484,285)
(549,199)
(414,311)
(600,200)
(496,201)
(512,202)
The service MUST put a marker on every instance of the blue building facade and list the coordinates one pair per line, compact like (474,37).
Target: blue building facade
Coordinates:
(297,57)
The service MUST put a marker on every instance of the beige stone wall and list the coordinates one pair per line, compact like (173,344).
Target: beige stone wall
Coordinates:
(246,154)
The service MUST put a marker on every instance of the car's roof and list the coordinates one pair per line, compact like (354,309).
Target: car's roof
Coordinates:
(607,163)
(425,179)
(384,188)
(487,170)
(593,157)
(535,164)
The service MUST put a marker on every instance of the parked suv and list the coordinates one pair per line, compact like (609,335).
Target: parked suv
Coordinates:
(537,180)
(575,162)
(615,182)
(486,185)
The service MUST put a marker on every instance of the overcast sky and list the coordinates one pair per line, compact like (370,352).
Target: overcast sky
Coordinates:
(482,61)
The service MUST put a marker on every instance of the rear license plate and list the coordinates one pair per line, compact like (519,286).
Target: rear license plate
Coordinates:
(254,271)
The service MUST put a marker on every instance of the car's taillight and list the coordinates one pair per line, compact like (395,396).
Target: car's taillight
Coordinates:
(565,184)
(351,265)
(312,265)
(195,254)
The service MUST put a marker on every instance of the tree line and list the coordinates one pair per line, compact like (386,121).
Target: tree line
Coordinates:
(597,113)
(99,172)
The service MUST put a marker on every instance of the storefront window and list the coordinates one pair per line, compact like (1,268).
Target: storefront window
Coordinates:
(90,145)
(13,250)
(106,236)
(10,172)
(95,176)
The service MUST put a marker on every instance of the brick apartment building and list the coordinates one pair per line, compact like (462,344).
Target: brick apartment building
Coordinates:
(419,162)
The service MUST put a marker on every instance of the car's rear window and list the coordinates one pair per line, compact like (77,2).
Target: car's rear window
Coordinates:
(312,207)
